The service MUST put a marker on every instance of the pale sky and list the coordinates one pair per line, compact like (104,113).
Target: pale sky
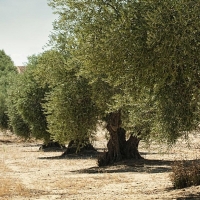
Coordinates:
(24,28)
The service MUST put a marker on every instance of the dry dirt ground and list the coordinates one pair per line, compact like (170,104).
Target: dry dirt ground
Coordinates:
(27,173)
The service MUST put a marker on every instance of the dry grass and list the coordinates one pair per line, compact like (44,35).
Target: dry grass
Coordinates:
(185,174)
(100,181)
(10,186)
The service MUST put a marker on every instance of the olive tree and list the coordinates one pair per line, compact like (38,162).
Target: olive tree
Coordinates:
(71,114)
(7,72)
(140,59)
(25,104)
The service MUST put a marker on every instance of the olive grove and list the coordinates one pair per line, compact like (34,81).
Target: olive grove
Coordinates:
(133,64)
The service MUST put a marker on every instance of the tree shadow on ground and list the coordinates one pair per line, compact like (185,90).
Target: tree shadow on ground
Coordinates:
(31,145)
(190,197)
(132,165)
(5,141)
(39,149)
(83,155)
(139,166)
(152,153)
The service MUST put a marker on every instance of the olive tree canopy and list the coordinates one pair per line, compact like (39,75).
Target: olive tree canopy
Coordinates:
(7,70)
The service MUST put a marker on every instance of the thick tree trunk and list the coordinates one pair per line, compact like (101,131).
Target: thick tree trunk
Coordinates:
(114,122)
(131,148)
(118,147)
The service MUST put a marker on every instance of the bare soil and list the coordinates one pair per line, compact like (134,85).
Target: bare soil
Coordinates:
(27,173)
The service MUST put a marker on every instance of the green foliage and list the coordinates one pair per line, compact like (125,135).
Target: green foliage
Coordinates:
(141,57)
(71,113)
(17,124)
(25,105)
(100,45)
(174,48)
(7,72)
(6,64)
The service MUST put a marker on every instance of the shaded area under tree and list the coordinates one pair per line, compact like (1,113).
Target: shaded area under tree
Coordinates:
(79,147)
(52,146)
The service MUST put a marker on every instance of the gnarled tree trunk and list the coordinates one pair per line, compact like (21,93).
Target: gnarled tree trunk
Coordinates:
(118,147)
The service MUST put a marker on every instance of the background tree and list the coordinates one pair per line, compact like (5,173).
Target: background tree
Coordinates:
(16,121)
(25,104)
(71,113)
(7,70)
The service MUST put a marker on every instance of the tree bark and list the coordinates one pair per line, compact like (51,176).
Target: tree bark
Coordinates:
(114,122)
(118,147)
